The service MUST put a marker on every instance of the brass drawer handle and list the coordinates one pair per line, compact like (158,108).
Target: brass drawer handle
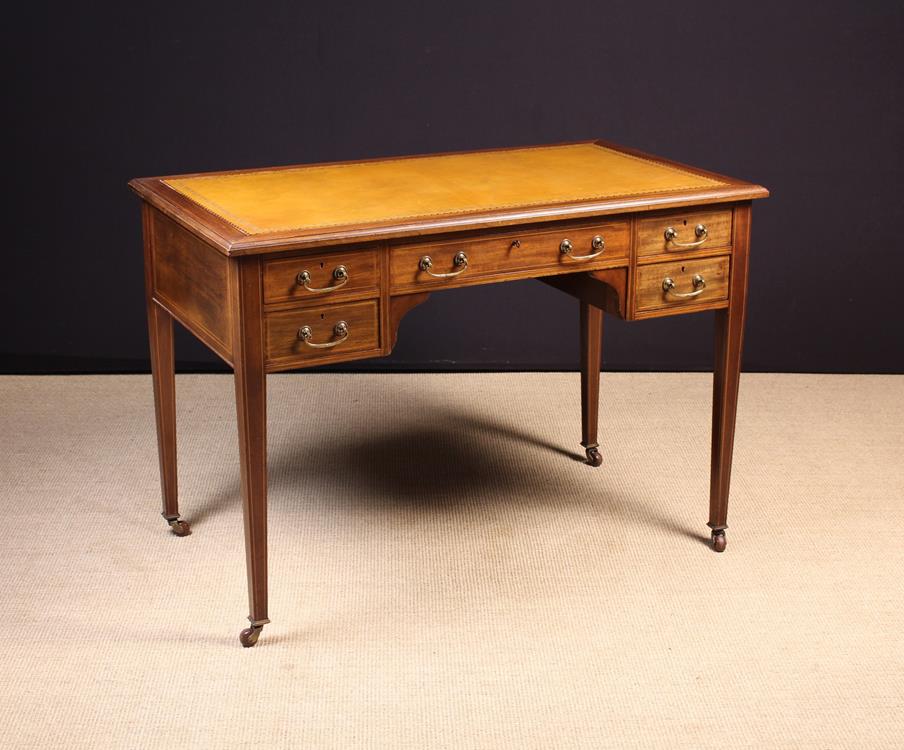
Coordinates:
(597,243)
(340,329)
(460,261)
(671,236)
(340,274)
(668,286)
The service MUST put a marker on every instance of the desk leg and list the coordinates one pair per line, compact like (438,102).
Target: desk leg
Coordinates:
(251,410)
(591,353)
(729,335)
(163,374)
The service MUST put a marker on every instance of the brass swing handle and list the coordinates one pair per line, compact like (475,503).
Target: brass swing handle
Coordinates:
(671,236)
(668,286)
(340,274)
(460,261)
(597,243)
(340,329)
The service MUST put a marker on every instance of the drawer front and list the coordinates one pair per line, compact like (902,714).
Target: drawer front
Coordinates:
(321,278)
(507,255)
(295,337)
(677,232)
(651,285)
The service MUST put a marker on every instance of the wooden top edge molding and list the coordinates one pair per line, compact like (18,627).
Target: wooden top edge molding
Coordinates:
(266,209)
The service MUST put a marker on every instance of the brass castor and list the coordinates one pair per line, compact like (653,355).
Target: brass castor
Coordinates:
(249,636)
(179,527)
(719,540)
(594,457)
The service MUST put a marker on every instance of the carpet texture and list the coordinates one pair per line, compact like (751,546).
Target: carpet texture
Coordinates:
(445,572)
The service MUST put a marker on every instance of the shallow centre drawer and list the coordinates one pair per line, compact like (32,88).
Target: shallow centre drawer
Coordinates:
(295,337)
(683,232)
(681,283)
(459,262)
(321,278)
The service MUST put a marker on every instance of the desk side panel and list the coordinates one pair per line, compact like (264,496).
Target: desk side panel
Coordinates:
(190,280)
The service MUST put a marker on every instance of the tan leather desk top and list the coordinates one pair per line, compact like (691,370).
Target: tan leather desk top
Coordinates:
(275,208)
(310,197)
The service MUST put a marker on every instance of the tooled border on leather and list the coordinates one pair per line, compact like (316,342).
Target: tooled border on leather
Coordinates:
(240,223)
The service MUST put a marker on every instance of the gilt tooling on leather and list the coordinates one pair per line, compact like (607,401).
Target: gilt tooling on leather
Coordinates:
(310,197)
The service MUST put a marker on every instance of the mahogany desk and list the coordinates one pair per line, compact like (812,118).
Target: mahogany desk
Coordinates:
(277,269)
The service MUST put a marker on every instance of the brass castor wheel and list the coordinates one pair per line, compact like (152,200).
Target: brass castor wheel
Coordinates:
(719,540)
(179,527)
(249,636)
(594,457)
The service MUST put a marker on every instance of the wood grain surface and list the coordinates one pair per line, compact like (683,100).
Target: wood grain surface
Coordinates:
(281,277)
(285,350)
(650,232)
(651,296)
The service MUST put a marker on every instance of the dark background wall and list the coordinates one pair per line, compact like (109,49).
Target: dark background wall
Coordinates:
(807,101)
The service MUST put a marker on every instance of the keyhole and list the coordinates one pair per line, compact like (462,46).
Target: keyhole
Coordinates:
(682,271)
(321,264)
(322,314)
(685,224)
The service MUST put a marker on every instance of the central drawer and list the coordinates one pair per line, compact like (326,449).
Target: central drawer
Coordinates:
(477,260)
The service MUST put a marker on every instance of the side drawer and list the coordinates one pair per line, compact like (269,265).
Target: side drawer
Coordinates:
(310,335)
(654,292)
(687,233)
(508,255)
(322,278)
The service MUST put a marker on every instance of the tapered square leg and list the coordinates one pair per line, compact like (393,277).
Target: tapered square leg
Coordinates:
(163,375)
(251,411)
(591,354)
(728,344)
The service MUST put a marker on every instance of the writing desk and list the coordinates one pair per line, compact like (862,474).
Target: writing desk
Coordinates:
(276,269)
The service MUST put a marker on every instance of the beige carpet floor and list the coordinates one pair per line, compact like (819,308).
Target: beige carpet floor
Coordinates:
(445,572)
